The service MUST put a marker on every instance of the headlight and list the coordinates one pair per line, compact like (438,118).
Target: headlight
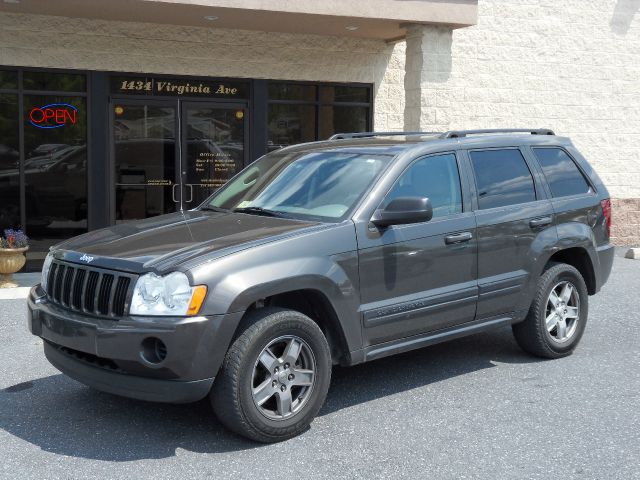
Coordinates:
(45,271)
(168,295)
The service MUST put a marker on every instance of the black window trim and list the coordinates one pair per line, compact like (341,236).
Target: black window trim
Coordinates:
(532,171)
(593,191)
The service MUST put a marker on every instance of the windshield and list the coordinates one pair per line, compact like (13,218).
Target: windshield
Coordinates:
(318,185)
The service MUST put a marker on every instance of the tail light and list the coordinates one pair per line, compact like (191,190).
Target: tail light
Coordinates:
(606,211)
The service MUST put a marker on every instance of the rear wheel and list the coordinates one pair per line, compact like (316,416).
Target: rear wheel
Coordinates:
(275,376)
(558,315)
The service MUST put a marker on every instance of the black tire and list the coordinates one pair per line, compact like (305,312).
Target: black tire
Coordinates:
(532,334)
(231,396)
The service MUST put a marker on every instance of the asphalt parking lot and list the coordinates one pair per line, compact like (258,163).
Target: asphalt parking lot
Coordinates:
(473,408)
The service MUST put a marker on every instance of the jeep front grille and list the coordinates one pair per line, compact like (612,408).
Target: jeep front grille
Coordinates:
(89,290)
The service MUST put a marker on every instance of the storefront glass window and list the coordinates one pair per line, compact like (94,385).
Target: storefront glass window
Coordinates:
(292,91)
(9,162)
(55,82)
(339,119)
(290,124)
(55,168)
(297,113)
(343,93)
(8,79)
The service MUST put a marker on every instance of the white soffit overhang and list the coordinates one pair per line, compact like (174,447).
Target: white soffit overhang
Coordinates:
(381,19)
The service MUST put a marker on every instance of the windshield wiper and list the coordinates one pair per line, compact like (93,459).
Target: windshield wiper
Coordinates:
(260,211)
(211,208)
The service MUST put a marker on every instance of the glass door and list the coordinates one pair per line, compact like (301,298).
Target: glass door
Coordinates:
(212,149)
(145,155)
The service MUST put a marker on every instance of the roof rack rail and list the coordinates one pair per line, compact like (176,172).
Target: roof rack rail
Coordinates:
(341,136)
(464,133)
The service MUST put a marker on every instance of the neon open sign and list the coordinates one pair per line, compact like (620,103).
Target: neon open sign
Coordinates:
(54,115)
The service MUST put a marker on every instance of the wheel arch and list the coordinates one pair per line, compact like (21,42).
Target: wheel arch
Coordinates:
(580,259)
(317,298)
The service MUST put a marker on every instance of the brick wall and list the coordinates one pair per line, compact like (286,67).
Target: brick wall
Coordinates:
(626,221)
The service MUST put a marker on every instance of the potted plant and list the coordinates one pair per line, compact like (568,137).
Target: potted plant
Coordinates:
(13,245)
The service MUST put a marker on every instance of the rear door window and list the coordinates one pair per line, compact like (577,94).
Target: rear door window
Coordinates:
(502,178)
(562,174)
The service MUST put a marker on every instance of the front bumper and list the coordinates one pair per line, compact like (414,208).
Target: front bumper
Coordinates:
(141,388)
(107,354)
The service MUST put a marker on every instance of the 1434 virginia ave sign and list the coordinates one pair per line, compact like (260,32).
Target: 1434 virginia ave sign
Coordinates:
(179,87)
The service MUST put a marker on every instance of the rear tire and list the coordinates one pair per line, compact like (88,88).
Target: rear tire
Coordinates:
(275,376)
(558,314)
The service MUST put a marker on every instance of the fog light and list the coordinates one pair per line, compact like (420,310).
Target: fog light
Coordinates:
(153,350)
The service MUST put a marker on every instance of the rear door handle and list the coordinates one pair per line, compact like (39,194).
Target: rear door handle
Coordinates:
(458,238)
(540,222)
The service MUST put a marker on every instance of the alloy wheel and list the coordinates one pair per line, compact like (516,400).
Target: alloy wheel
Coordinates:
(562,312)
(283,377)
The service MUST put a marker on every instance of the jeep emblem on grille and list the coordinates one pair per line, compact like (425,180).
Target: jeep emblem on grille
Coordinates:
(86,258)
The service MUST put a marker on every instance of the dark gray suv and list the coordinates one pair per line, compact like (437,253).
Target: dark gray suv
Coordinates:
(335,252)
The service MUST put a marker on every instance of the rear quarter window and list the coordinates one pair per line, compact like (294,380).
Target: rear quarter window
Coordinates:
(562,174)
(502,178)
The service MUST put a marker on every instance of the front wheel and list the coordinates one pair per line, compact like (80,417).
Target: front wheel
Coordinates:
(558,314)
(275,376)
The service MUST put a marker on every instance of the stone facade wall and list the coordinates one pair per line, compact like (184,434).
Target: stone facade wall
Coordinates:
(59,42)
(570,65)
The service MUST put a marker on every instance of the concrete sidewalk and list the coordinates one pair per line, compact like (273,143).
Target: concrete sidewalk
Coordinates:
(25,282)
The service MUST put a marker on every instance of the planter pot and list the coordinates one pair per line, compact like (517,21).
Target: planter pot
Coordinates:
(11,261)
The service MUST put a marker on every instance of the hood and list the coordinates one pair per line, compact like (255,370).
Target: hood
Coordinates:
(162,242)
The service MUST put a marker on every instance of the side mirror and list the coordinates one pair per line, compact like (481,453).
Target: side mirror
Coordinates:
(403,210)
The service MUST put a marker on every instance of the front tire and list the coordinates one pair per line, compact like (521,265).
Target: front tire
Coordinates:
(558,314)
(275,376)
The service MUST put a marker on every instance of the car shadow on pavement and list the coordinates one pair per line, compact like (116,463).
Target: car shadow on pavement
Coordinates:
(419,368)
(64,417)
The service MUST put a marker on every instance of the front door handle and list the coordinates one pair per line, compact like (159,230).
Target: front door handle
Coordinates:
(540,222)
(458,238)
(190,193)
(173,192)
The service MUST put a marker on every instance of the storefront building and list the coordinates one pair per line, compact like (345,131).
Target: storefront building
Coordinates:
(111,112)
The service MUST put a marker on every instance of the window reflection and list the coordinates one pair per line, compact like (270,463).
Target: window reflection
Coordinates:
(145,160)
(56,82)
(9,80)
(338,119)
(9,162)
(290,124)
(55,170)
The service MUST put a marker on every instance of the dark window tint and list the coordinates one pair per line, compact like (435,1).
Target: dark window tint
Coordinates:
(8,79)
(344,94)
(502,178)
(59,82)
(55,169)
(343,119)
(290,124)
(9,162)
(292,91)
(561,173)
(434,177)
